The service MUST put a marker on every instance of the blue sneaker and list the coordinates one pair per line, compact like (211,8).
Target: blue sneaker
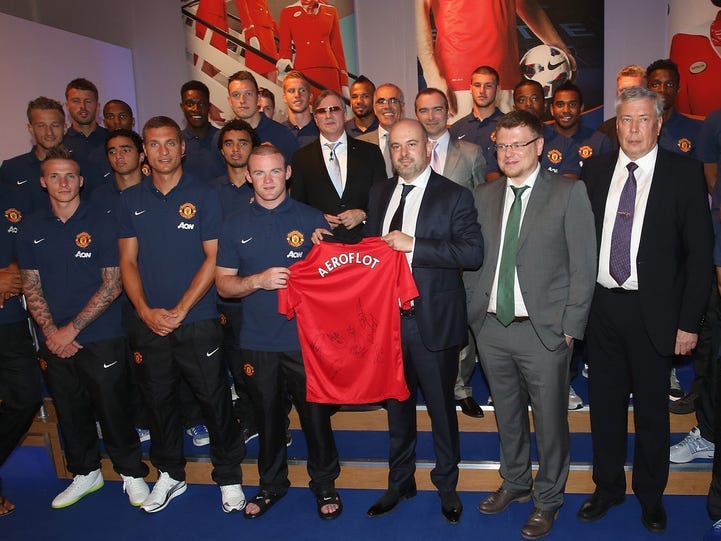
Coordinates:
(200,435)
(714,534)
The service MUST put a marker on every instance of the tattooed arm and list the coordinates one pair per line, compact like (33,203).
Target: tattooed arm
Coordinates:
(61,341)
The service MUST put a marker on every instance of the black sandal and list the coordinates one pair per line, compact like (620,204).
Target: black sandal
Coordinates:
(264,500)
(328,497)
(3,505)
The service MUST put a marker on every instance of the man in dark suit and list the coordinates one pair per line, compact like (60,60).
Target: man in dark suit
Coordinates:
(655,240)
(335,172)
(530,300)
(463,163)
(433,221)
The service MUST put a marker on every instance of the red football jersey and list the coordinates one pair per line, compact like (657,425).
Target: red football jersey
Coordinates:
(347,298)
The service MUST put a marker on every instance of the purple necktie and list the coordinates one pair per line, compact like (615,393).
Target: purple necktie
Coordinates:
(620,261)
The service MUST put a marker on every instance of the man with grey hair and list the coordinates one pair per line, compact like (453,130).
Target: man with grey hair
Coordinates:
(388,105)
(335,172)
(654,237)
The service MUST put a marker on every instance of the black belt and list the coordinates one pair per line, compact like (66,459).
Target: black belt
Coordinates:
(621,291)
(519,319)
(411,312)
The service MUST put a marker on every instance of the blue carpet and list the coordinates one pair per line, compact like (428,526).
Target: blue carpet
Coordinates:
(30,482)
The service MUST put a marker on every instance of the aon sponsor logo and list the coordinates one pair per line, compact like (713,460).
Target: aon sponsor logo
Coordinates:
(83,255)
(183,225)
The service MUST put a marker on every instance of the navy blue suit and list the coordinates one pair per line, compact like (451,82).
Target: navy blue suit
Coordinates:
(447,241)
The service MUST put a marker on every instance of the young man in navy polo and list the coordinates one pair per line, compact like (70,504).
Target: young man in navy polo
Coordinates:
(168,229)
(68,258)
(19,374)
(257,245)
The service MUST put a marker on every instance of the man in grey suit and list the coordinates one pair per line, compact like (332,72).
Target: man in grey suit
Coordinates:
(464,164)
(388,103)
(531,300)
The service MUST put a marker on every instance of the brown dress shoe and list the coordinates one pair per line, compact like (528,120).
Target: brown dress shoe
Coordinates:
(539,524)
(500,499)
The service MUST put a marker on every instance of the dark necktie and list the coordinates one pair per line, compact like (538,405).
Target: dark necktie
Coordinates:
(619,264)
(505,302)
(397,220)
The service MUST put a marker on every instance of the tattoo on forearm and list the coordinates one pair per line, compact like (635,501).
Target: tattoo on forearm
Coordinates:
(37,305)
(103,297)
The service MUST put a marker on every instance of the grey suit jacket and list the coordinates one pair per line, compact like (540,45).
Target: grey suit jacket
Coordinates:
(465,164)
(556,260)
(369,137)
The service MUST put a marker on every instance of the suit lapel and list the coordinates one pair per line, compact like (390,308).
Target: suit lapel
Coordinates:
(452,156)
(536,204)
(321,167)
(496,198)
(600,194)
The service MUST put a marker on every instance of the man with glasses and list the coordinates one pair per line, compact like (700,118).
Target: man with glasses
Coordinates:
(530,301)
(335,173)
(388,108)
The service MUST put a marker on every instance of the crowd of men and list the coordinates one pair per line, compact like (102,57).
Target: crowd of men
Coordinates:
(151,265)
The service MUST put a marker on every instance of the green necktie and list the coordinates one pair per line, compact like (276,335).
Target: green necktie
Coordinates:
(505,303)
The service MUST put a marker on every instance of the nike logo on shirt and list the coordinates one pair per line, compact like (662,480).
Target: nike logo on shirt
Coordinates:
(245,241)
(211,353)
(38,241)
(139,212)
(109,365)
(21,182)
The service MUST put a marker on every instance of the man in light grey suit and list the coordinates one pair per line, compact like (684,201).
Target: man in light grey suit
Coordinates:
(464,164)
(531,300)
(388,103)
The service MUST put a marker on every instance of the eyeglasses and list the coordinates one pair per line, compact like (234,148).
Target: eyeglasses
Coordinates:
(323,110)
(515,147)
(392,101)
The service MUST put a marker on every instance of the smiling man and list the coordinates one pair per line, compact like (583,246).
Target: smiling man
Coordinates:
(361,104)
(202,159)
(530,300)
(257,245)
(388,104)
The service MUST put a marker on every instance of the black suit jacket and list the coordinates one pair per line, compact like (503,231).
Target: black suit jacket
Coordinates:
(448,241)
(674,256)
(311,184)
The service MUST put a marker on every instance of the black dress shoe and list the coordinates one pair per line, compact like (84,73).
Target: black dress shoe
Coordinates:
(596,507)
(389,500)
(654,518)
(470,407)
(451,506)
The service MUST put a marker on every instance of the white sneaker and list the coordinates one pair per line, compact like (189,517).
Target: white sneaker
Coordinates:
(232,497)
(574,401)
(584,371)
(693,446)
(136,488)
(164,490)
(81,486)
(676,391)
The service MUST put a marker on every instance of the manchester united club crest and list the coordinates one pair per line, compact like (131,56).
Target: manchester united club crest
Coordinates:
(554,156)
(493,136)
(684,145)
(13,215)
(295,238)
(187,211)
(585,152)
(43,364)
(223,320)
(137,357)
(248,369)
(83,239)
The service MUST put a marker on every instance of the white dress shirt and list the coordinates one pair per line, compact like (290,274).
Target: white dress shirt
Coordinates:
(341,154)
(644,175)
(520,306)
(440,147)
(411,208)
